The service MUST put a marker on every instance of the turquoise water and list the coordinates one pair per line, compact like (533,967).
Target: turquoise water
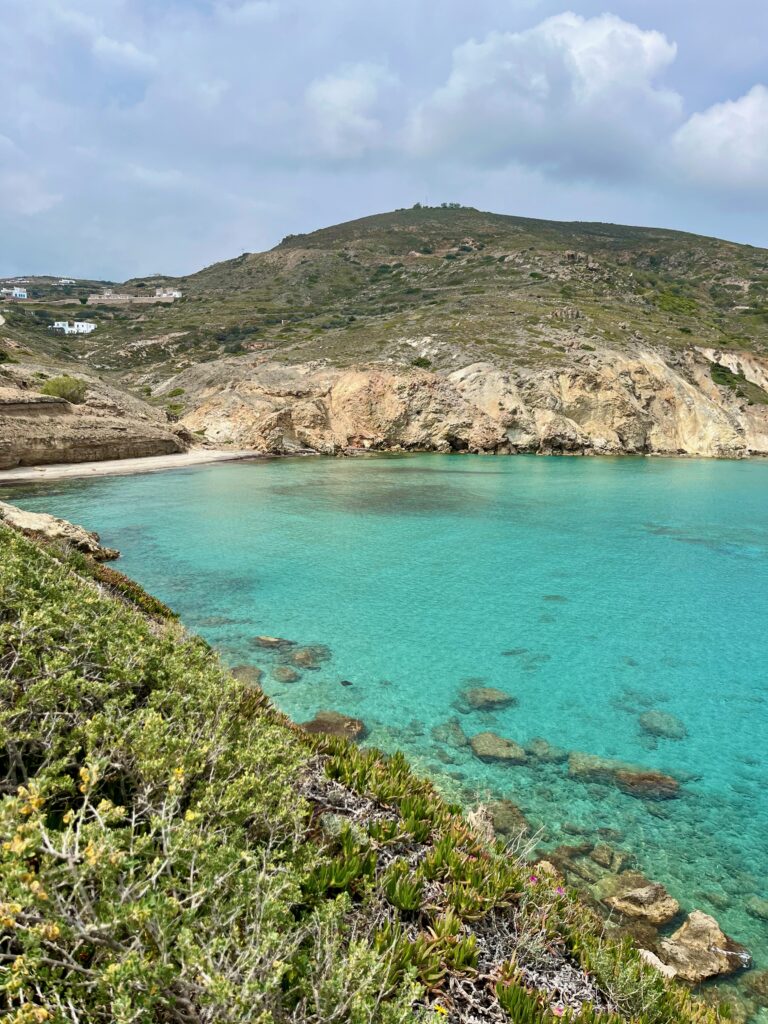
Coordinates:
(624,585)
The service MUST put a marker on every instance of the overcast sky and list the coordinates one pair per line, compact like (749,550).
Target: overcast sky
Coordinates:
(141,136)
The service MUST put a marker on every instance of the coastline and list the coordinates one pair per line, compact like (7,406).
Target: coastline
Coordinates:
(122,467)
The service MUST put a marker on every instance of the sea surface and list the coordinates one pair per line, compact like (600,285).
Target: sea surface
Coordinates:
(619,585)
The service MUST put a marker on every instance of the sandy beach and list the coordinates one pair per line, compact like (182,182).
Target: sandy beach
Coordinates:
(119,467)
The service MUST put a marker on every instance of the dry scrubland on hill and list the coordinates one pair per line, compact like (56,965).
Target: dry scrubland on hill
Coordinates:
(439,329)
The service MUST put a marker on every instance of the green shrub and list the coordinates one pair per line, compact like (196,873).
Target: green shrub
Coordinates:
(422,362)
(69,388)
(175,392)
(156,849)
(738,383)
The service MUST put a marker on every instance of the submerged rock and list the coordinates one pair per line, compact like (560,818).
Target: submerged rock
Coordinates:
(644,783)
(757,986)
(310,657)
(484,698)
(758,907)
(451,734)
(545,752)
(663,725)
(272,643)
(285,674)
(248,674)
(508,820)
(647,784)
(333,723)
(700,949)
(610,858)
(494,749)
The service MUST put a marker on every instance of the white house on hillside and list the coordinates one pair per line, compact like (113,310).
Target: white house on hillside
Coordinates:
(167,293)
(65,280)
(76,327)
(15,292)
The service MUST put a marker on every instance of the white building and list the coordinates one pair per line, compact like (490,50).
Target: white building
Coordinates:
(167,293)
(65,280)
(15,292)
(76,327)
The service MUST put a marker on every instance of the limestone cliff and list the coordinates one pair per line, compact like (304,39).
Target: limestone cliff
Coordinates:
(604,402)
(37,429)
(41,526)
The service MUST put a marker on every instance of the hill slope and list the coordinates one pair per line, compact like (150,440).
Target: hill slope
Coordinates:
(580,337)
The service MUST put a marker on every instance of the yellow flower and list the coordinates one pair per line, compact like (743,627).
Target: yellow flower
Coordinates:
(68,817)
(440,1009)
(16,845)
(50,931)
(191,816)
(8,912)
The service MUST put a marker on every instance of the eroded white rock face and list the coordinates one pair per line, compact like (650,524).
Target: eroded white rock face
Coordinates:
(41,525)
(606,403)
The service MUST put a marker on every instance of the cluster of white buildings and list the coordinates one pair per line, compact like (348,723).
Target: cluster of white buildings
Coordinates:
(14,293)
(76,327)
(167,293)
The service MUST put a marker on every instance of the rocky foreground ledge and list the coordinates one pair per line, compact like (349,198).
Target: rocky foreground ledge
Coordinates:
(41,526)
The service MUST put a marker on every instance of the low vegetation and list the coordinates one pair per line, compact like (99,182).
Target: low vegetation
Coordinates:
(478,285)
(174,850)
(69,388)
(738,383)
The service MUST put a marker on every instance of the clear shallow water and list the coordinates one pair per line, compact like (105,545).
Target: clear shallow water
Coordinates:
(627,585)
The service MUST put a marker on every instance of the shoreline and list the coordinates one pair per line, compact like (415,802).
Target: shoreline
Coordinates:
(205,456)
(123,467)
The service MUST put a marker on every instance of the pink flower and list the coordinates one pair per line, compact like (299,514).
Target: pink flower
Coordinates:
(533,879)
(560,890)
(558,1011)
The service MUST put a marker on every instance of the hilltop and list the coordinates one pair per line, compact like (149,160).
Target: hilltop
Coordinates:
(485,311)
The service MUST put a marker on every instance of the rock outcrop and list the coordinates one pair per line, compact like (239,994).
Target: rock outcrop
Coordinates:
(663,725)
(484,698)
(37,429)
(645,783)
(41,526)
(602,402)
(700,949)
(493,749)
(333,723)
(647,901)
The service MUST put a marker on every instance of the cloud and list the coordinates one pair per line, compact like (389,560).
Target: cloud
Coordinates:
(341,108)
(573,96)
(251,12)
(137,134)
(122,53)
(726,147)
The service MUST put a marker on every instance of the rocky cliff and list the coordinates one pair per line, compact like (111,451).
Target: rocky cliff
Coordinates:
(602,402)
(37,429)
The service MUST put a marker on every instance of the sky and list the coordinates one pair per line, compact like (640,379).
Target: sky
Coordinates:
(159,136)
